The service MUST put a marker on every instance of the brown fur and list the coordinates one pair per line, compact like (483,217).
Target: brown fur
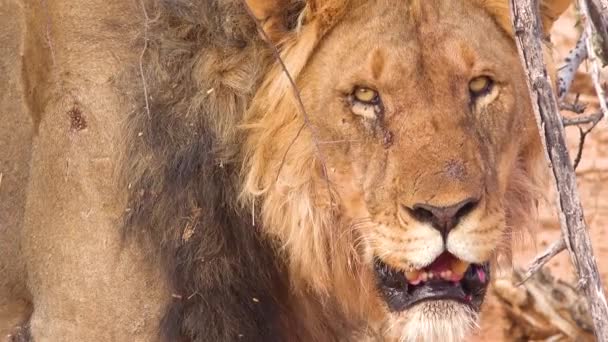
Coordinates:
(242,217)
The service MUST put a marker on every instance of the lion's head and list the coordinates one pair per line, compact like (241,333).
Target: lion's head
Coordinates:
(414,159)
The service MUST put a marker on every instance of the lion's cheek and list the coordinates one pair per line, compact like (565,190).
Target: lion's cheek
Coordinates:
(416,246)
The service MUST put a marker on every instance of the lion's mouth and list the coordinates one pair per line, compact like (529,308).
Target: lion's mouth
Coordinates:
(446,278)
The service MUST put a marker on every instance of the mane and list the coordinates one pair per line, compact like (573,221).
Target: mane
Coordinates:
(183,166)
(202,66)
(220,165)
(287,182)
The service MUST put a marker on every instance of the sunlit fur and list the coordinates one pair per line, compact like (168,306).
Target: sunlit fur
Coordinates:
(238,216)
(440,321)
(328,251)
(313,196)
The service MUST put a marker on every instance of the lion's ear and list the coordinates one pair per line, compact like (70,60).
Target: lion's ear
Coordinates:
(275,16)
(550,10)
(279,17)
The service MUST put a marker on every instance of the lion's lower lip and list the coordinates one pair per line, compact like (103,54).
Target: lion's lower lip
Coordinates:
(401,295)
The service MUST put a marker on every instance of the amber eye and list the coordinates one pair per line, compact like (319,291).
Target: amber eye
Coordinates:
(366,95)
(480,86)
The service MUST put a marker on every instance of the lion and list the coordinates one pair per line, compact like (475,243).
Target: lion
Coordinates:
(264,170)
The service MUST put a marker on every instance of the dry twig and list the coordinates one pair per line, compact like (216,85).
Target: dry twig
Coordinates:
(598,10)
(298,97)
(595,119)
(596,43)
(141,58)
(567,72)
(575,107)
(545,308)
(542,259)
(583,119)
(572,221)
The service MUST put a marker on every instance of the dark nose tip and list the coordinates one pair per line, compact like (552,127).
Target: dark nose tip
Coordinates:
(444,218)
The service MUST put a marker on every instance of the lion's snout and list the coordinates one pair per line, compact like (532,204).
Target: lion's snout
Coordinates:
(444,218)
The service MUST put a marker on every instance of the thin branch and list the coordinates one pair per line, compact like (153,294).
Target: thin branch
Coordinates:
(287,150)
(575,107)
(542,259)
(592,35)
(598,9)
(583,119)
(582,136)
(141,58)
(566,73)
(528,34)
(558,246)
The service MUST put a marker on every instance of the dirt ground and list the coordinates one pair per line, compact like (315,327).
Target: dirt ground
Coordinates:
(593,187)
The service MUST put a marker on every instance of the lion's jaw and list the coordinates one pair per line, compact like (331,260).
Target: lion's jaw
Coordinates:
(435,321)
(358,182)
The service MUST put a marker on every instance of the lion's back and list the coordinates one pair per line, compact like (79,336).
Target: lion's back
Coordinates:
(62,259)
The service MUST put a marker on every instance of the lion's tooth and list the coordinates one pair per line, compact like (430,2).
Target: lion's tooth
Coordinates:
(458,268)
(447,275)
(416,282)
(412,276)
(424,276)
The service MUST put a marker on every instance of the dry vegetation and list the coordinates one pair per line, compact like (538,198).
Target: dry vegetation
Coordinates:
(550,306)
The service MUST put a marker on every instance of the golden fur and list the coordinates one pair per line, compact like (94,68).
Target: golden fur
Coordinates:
(242,215)
(321,218)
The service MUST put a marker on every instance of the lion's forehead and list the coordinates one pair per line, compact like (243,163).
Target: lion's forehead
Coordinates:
(449,36)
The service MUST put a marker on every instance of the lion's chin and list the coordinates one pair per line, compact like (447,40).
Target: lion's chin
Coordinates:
(433,321)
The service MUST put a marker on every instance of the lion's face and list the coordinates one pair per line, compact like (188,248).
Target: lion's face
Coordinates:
(422,148)
(421,119)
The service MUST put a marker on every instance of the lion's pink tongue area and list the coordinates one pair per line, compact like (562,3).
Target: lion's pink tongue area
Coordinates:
(442,263)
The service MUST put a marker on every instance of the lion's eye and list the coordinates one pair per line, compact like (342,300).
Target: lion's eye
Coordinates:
(366,102)
(366,95)
(480,86)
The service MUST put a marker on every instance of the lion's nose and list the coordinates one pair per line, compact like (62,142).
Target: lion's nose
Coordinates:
(443,218)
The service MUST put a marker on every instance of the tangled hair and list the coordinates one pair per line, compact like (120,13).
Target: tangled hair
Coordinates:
(209,161)
(183,166)
(203,63)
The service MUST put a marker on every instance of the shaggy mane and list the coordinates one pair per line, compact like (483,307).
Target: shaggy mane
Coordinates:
(212,163)
(203,64)
(183,166)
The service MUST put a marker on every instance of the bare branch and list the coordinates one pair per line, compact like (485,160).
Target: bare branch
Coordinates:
(583,119)
(566,73)
(543,309)
(141,58)
(575,107)
(596,44)
(527,30)
(558,246)
(598,10)
(542,259)
(581,144)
